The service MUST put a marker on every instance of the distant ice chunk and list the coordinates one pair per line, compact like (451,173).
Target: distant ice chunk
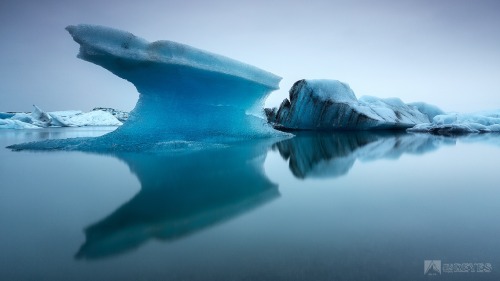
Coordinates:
(37,117)
(332,105)
(78,119)
(62,118)
(41,116)
(427,109)
(94,118)
(22,117)
(461,123)
(6,115)
(122,116)
(69,118)
(15,124)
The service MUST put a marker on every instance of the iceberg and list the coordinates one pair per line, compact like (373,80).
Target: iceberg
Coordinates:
(185,94)
(38,117)
(332,105)
(15,124)
(62,118)
(6,115)
(79,119)
(122,116)
(461,123)
(69,118)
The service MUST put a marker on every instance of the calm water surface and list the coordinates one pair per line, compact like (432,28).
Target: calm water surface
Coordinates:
(314,207)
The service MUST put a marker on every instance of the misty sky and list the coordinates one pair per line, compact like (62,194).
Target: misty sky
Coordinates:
(442,52)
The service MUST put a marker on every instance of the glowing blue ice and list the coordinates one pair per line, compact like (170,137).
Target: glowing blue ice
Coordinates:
(186,94)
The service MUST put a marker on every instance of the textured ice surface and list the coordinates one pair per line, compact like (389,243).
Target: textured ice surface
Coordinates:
(61,118)
(37,117)
(461,123)
(332,105)
(15,124)
(186,94)
(427,109)
(6,115)
(70,118)
(122,116)
(92,118)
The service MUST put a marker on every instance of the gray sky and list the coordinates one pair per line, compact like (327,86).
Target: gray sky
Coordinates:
(441,52)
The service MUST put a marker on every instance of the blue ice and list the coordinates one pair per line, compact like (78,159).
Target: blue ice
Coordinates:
(186,94)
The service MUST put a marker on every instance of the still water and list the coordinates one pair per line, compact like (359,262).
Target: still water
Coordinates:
(384,206)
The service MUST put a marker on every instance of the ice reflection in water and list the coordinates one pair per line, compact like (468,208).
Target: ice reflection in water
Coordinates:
(182,193)
(186,192)
(329,155)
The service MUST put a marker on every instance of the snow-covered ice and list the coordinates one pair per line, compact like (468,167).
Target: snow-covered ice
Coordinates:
(461,123)
(122,116)
(427,109)
(38,117)
(92,118)
(15,124)
(332,105)
(70,118)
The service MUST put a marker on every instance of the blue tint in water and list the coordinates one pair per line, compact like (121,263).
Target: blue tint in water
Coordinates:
(315,207)
(181,194)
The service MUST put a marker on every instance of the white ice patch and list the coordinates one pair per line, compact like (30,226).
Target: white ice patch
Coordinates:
(69,118)
(93,118)
(478,122)
(15,124)
(332,90)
